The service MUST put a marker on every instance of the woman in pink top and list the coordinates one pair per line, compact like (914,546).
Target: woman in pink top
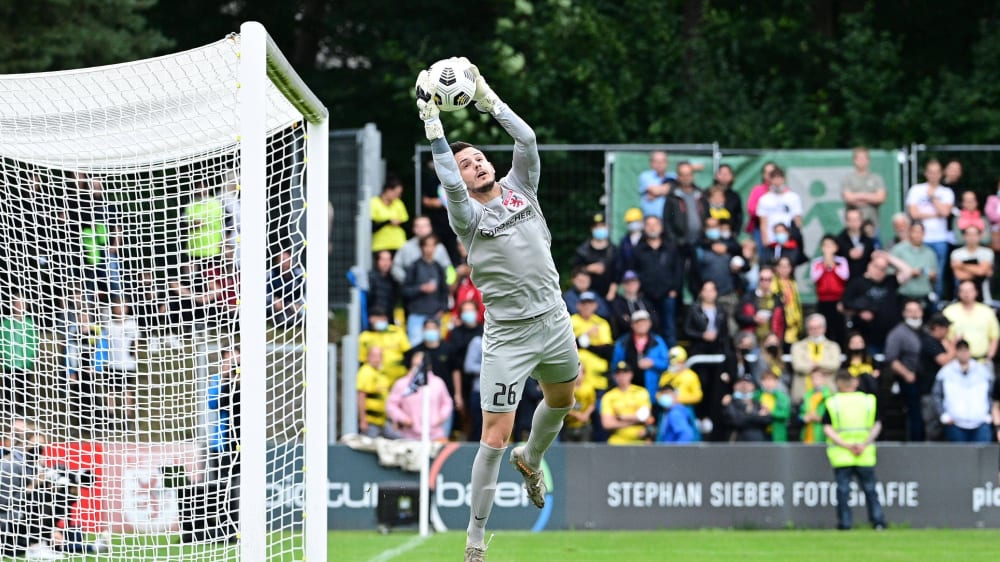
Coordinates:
(829,272)
(753,224)
(405,404)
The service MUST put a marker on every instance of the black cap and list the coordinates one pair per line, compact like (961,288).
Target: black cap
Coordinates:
(598,218)
(622,367)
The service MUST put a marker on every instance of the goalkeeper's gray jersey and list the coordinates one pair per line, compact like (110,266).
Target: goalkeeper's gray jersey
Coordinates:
(508,241)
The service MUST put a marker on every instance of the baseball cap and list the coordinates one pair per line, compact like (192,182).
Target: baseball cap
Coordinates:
(633,215)
(622,367)
(640,315)
(630,276)
(746,377)
(588,296)
(598,219)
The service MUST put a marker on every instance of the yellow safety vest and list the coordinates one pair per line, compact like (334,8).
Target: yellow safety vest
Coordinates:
(852,415)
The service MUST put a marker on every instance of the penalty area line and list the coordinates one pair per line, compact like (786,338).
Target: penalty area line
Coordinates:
(401,549)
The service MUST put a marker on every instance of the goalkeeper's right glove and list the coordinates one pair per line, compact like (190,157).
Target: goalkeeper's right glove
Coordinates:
(429,112)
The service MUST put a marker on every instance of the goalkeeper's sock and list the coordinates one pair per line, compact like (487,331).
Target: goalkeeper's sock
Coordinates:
(485,469)
(545,426)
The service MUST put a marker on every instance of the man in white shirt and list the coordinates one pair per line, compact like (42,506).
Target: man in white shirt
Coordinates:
(779,205)
(931,203)
(122,365)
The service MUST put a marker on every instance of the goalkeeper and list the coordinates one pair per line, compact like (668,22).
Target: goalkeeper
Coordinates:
(527,330)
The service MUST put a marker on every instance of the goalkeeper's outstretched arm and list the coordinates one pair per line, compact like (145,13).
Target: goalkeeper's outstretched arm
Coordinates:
(526,165)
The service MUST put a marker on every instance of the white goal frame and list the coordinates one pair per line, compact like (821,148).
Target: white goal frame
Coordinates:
(260,61)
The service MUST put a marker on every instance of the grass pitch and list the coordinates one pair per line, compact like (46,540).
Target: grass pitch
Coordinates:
(860,545)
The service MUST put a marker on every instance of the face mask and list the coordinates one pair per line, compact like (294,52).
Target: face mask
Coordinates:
(781,237)
(913,322)
(857,352)
(666,401)
(772,349)
(469,317)
(727,234)
(380,325)
(600,233)
(432,336)
(635,226)
(653,235)
(742,395)
(713,234)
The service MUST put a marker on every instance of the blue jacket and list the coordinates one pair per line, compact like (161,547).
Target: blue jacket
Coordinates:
(678,425)
(656,350)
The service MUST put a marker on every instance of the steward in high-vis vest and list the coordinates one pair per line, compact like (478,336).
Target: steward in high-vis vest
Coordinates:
(851,426)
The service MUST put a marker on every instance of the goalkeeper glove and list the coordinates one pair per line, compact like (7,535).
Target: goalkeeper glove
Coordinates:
(426,108)
(487,101)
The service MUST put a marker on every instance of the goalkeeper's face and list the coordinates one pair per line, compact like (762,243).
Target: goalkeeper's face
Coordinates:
(477,172)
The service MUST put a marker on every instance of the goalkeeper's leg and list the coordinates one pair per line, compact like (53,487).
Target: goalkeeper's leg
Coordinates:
(485,469)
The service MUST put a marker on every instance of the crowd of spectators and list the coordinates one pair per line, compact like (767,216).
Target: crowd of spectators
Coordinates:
(692,326)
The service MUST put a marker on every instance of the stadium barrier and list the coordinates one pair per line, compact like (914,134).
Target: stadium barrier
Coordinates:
(768,486)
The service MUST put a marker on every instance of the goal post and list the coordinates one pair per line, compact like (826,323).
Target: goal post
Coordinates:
(163,306)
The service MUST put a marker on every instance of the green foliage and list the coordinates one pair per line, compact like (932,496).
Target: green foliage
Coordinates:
(40,35)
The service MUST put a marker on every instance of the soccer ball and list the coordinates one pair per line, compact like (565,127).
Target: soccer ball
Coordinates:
(455,83)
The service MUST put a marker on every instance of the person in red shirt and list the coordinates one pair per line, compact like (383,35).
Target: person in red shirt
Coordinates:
(753,223)
(830,273)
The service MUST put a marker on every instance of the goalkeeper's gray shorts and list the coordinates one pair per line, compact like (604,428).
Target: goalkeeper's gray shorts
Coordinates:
(543,348)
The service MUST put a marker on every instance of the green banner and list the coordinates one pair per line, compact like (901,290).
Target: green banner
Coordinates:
(815,175)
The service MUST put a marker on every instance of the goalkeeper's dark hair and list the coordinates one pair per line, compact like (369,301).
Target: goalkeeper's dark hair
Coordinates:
(459,146)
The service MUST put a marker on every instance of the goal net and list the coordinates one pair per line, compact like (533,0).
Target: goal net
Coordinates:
(162,347)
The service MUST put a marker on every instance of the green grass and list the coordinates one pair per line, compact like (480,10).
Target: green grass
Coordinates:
(861,545)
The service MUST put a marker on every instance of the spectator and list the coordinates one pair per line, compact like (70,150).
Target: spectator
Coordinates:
(715,257)
(862,189)
(784,283)
(682,378)
(974,322)
(659,271)
(753,199)
(644,353)
(973,262)
(630,300)
(205,218)
(388,214)
(775,401)
(625,410)
(724,178)
(747,265)
(19,347)
(931,203)
(851,425)
(577,427)
(677,422)
(464,289)
(813,409)
(992,211)
(437,354)
(150,304)
(434,205)
(411,251)
(654,185)
(829,272)
(626,248)
(716,205)
(682,221)
(580,281)
(936,351)
(872,302)
(123,334)
(813,352)
(221,279)
(707,328)
(373,390)
(853,244)
(472,368)
(860,364)
(772,359)
(221,387)
(783,244)
(389,338)
(962,395)
(466,360)
(902,355)
(780,205)
(286,291)
(901,223)
(969,215)
(425,290)
(953,177)
(762,311)
(923,262)
(747,419)
(404,406)
(230,198)
(594,341)
(746,359)
(598,256)
(383,289)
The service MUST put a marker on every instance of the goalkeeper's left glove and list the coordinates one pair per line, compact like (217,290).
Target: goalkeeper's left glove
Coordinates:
(487,101)
(426,108)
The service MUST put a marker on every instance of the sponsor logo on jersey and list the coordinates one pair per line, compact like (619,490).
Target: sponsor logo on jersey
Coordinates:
(524,215)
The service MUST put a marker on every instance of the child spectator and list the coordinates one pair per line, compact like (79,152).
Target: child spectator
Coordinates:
(783,244)
(776,402)
(814,407)
(830,273)
(677,421)
(747,419)
(969,215)
(716,207)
